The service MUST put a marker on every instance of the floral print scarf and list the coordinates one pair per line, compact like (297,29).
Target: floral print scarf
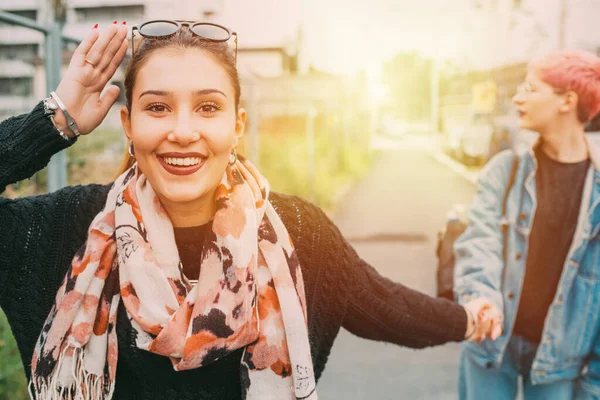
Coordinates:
(250,294)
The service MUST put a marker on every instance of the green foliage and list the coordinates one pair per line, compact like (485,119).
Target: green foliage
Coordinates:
(408,78)
(284,160)
(13,385)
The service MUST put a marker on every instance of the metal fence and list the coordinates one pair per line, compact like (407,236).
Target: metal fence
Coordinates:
(54,38)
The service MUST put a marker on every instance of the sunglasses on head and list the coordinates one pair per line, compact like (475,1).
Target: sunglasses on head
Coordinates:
(165,28)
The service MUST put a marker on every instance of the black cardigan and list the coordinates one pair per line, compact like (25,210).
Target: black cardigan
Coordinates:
(39,236)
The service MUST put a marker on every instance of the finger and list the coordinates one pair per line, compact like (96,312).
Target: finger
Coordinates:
(95,54)
(85,46)
(483,327)
(108,98)
(484,333)
(496,331)
(113,48)
(115,62)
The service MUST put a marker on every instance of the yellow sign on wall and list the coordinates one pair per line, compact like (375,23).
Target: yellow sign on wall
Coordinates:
(484,96)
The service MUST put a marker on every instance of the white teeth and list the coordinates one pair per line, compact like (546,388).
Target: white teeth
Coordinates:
(182,161)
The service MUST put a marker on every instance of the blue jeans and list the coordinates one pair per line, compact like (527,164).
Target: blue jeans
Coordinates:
(477,382)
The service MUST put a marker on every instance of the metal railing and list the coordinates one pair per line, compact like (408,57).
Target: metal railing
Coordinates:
(54,38)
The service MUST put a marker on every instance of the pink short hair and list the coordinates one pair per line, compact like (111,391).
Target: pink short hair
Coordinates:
(575,70)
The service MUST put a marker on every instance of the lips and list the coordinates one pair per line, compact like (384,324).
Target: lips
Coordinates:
(180,169)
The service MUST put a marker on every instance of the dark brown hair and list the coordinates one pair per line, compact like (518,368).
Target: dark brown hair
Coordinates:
(182,39)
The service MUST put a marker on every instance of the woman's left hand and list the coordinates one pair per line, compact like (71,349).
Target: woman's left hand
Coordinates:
(83,87)
(484,320)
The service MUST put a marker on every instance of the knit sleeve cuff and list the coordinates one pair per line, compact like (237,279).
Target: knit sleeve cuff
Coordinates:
(27,143)
(457,321)
(38,135)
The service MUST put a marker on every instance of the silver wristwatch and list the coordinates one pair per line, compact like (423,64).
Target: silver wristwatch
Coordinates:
(53,103)
(50,106)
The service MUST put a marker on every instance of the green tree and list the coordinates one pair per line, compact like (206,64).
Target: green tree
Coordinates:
(407,76)
(13,385)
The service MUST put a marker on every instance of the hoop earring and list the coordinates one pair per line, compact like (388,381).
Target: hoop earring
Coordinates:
(233,157)
(130,149)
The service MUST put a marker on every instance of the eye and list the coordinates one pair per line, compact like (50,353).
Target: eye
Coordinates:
(209,107)
(156,107)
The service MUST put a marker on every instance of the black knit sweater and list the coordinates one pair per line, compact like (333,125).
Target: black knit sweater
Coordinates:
(39,236)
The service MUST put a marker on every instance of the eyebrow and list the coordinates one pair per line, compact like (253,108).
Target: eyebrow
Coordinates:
(196,93)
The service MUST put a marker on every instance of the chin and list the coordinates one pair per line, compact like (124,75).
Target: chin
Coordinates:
(181,192)
(183,196)
(526,125)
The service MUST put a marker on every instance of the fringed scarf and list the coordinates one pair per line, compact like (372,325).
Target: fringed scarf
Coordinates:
(250,294)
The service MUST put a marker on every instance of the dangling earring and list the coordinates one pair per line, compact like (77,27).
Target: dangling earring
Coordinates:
(233,157)
(130,149)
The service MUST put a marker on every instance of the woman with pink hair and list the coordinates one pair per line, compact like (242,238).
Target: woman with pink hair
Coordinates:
(548,283)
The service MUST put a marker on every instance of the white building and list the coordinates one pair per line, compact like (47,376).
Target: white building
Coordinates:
(503,32)
(269,38)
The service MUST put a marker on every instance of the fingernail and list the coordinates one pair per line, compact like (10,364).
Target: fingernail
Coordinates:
(124,22)
(95,27)
(114,22)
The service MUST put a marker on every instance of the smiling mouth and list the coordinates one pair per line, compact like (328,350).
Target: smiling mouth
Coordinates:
(183,162)
(178,165)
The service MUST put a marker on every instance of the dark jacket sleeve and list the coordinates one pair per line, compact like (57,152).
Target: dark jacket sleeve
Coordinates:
(36,230)
(380,309)
(26,144)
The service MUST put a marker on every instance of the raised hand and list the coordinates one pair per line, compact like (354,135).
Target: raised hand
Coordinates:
(487,322)
(93,64)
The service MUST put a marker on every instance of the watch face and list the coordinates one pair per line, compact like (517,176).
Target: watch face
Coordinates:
(51,104)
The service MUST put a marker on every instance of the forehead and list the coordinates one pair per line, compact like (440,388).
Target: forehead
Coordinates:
(533,78)
(179,70)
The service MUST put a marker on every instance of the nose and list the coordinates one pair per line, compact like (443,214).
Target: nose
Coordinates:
(184,132)
(518,99)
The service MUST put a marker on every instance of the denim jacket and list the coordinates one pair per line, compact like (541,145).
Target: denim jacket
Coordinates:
(570,345)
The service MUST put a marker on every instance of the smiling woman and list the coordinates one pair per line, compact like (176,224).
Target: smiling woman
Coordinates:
(175,130)
(186,277)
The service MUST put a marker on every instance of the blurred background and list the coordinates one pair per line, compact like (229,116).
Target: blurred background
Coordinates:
(381,112)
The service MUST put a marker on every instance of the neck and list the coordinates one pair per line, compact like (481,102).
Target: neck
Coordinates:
(565,144)
(193,213)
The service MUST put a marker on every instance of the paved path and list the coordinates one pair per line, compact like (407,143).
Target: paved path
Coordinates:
(406,195)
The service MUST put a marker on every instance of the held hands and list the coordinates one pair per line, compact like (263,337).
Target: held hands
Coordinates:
(484,320)
(81,87)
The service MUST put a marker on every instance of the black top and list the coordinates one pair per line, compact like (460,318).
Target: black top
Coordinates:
(40,235)
(559,190)
(189,243)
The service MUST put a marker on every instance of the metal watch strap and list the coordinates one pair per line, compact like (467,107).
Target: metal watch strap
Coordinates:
(48,110)
(61,133)
(70,121)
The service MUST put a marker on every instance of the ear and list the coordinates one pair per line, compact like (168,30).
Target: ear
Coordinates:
(240,125)
(126,122)
(570,102)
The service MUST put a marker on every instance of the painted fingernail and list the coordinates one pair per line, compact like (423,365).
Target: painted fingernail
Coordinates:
(95,26)
(124,22)
(114,22)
